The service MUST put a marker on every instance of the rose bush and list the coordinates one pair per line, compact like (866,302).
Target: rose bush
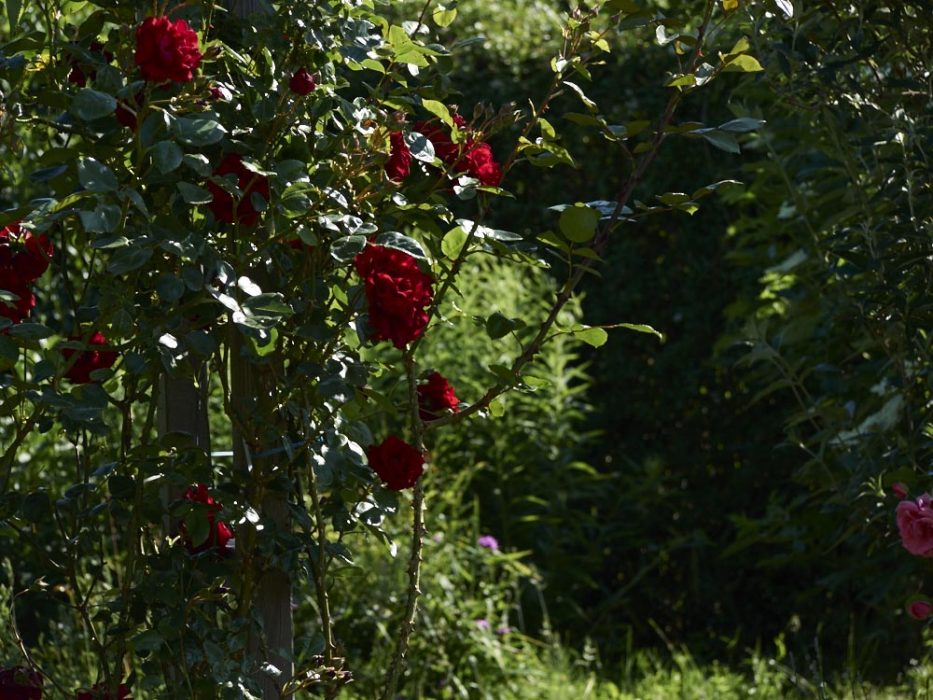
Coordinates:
(235,258)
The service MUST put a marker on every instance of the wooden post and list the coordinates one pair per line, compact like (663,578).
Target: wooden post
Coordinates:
(252,387)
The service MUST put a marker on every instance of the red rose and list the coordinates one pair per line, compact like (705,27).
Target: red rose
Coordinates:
(302,83)
(439,136)
(32,260)
(479,163)
(396,462)
(436,396)
(99,692)
(220,533)
(397,291)
(399,164)
(166,50)
(18,683)
(88,360)
(223,205)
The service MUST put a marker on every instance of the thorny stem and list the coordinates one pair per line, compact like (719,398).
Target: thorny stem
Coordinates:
(599,245)
(413,591)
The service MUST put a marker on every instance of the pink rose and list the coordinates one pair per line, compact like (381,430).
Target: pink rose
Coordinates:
(915,522)
(920,609)
(899,489)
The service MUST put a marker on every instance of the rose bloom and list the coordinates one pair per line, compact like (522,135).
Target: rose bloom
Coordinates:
(223,204)
(397,291)
(99,692)
(302,83)
(481,164)
(88,360)
(220,532)
(399,164)
(34,254)
(166,50)
(920,609)
(439,136)
(915,522)
(397,463)
(18,683)
(436,396)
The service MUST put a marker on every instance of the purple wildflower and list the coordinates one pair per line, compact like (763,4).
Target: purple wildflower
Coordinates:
(489,542)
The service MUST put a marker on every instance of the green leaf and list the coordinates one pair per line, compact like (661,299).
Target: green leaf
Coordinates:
(741,125)
(128,259)
(399,241)
(147,641)
(453,242)
(438,109)
(682,80)
(95,176)
(169,287)
(30,331)
(743,63)
(590,105)
(198,527)
(198,131)
(346,248)
(641,328)
(592,335)
(104,219)
(167,156)
(499,325)
(192,194)
(578,223)
(443,17)
(13,8)
(90,104)
(723,141)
